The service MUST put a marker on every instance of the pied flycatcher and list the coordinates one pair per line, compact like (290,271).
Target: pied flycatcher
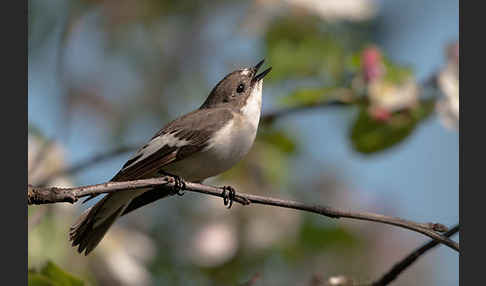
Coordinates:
(196,146)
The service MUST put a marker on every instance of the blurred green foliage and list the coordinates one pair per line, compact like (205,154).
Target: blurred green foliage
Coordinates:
(316,237)
(302,47)
(280,139)
(52,275)
(309,96)
(395,73)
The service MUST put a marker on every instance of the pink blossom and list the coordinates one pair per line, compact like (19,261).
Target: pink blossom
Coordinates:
(372,64)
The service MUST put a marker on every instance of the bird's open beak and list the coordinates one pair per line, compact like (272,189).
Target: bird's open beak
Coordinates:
(261,75)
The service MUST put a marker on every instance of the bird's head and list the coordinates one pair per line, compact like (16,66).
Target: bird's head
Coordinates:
(236,88)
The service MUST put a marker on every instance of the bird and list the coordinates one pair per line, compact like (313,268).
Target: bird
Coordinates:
(198,145)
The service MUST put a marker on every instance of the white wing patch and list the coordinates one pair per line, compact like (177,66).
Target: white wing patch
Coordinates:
(156,144)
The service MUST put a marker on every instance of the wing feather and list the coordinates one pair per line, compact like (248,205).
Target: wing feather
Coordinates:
(178,140)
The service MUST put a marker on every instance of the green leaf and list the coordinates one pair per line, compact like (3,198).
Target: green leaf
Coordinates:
(353,61)
(36,279)
(370,136)
(308,96)
(278,139)
(52,275)
(424,109)
(395,73)
(316,237)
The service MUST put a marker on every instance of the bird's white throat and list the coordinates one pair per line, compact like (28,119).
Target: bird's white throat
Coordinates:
(252,109)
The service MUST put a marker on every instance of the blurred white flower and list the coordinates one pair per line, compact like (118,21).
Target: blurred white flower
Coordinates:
(123,254)
(335,10)
(339,281)
(214,244)
(448,82)
(263,11)
(386,97)
(268,225)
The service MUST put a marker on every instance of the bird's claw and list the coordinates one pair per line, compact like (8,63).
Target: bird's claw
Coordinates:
(179,185)
(228,196)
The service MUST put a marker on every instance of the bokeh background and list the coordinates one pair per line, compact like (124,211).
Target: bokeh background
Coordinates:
(104,76)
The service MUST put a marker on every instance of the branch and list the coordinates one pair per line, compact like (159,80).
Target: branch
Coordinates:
(398,268)
(46,195)
(272,115)
(342,98)
(87,163)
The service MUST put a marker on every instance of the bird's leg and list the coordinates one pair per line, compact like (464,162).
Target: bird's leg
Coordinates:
(179,184)
(228,196)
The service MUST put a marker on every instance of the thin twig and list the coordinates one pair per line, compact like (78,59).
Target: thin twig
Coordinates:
(252,280)
(343,97)
(88,163)
(272,115)
(398,268)
(45,195)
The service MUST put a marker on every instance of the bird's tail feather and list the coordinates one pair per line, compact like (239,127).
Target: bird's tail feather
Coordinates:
(93,224)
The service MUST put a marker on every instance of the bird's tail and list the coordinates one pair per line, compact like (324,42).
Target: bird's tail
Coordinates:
(93,224)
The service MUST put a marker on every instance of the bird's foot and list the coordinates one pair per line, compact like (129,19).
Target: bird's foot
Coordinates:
(179,184)
(228,196)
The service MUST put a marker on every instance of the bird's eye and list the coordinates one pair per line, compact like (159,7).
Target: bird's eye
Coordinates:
(240,88)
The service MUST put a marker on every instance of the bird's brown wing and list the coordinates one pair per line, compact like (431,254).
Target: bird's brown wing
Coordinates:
(194,128)
(178,140)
